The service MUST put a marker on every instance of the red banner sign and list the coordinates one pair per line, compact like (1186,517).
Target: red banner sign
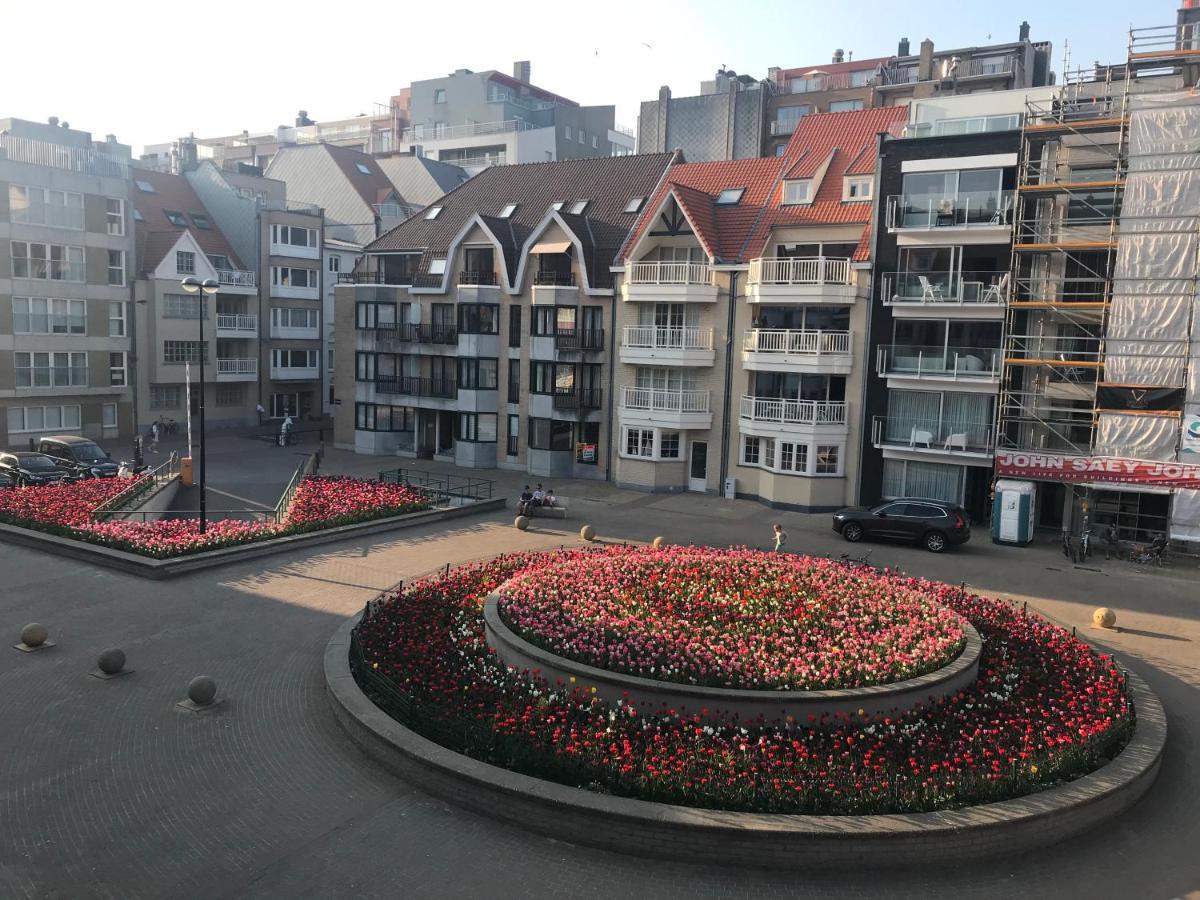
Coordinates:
(1095,469)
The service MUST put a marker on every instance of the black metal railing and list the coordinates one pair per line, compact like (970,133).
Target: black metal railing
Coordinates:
(148,482)
(419,333)
(469,277)
(360,278)
(554,279)
(415,386)
(588,339)
(426,280)
(577,398)
(589,398)
(439,486)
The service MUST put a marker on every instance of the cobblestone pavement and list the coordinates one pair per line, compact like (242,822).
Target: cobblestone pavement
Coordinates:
(107,789)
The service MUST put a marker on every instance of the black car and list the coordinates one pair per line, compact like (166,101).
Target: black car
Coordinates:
(934,523)
(28,468)
(7,481)
(78,455)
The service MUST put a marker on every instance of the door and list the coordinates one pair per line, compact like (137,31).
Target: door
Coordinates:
(698,466)
(891,521)
(428,439)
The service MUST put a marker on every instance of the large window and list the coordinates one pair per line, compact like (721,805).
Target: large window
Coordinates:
(382,417)
(294,359)
(477,374)
(180,352)
(932,481)
(114,216)
(544,321)
(293,236)
(53,262)
(167,396)
(476,428)
(286,276)
(40,315)
(639,442)
(40,206)
(787,117)
(35,369)
(283,317)
(792,457)
(185,306)
(43,418)
(549,434)
(478,318)
(541,377)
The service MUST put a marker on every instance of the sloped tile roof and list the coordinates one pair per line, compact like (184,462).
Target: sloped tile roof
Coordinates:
(832,68)
(155,235)
(373,185)
(862,253)
(418,179)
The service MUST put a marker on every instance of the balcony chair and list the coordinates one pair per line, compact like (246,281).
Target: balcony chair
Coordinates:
(956,441)
(929,290)
(920,437)
(997,290)
(945,212)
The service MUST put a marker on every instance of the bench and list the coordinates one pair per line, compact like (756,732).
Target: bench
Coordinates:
(557,511)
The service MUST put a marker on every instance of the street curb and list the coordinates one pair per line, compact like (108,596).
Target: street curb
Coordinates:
(708,836)
(158,569)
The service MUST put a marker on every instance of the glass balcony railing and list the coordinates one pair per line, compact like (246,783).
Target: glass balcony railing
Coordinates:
(989,288)
(939,361)
(942,434)
(964,209)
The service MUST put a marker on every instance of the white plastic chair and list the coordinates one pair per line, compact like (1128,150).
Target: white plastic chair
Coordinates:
(997,290)
(920,437)
(929,290)
(956,441)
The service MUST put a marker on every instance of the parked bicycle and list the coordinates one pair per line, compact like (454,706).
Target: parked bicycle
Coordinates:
(1150,554)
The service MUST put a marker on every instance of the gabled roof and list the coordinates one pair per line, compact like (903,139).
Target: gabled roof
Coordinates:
(608,183)
(420,180)
(155,235)
(509,81)
(373,185)
(832,68)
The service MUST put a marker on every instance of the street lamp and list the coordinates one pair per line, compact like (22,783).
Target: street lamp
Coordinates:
(208,286)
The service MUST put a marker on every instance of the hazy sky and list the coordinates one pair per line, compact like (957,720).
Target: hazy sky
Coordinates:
(150,72)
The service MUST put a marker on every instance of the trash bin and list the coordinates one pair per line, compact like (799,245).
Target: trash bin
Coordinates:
(185,471)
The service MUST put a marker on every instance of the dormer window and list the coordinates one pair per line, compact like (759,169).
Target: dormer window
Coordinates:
(579,207)
(507,212)
(730,196)
(634,205)
(857,187)
(797,192)
(175,218)
(432,213)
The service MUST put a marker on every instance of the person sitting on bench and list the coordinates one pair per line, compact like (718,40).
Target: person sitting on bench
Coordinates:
(525,501)
(538,496)
(548,500)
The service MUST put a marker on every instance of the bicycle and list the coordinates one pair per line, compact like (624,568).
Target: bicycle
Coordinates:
(857,562)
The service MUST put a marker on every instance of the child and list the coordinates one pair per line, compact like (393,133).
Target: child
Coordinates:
(780,537)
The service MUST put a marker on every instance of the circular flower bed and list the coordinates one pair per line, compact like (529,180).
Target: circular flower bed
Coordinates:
(1045,709)
(731,619)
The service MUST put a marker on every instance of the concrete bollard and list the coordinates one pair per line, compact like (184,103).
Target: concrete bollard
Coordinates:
(521,523)
(111,661)
(659,542)
(1104,617)
(588,533)
(34,636)
(201,690)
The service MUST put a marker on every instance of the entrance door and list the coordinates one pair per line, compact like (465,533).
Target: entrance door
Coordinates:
(428,438)
(698,467)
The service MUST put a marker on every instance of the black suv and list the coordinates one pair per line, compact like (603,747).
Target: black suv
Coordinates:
(27,468)
(934,523)
(79,456)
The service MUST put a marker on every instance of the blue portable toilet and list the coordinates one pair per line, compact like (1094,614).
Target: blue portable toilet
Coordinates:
(1012,512)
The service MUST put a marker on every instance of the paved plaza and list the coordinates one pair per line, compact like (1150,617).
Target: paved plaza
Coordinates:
(107,789)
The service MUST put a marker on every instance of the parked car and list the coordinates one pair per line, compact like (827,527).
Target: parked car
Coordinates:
(28,468)
(81,457)
(933,523)
(7,481)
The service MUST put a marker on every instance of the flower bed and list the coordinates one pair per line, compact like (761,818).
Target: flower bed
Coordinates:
(1045,709)
(321,501)
(733,619)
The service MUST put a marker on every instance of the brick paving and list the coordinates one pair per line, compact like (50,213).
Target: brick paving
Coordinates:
(107,789)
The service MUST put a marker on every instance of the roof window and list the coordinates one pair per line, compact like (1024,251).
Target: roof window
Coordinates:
(557,205)
(145,187)
(797,192)
(437,267)
(201,221)
(137,215)
(362,167)
(579,207)
(730,196)
(432,213)
(508,211)
(175,218)
(634,204)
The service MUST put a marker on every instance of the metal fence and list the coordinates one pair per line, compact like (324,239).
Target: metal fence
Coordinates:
(451,490)
(150,481)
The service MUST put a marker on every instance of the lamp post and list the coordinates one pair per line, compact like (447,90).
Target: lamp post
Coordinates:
(204,288)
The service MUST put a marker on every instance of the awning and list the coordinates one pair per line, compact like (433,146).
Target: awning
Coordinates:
(551,247)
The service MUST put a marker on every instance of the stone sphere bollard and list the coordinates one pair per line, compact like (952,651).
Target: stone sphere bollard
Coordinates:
(201,690)
(34,634)
(588,533)
(521,523)
(111,661)
(659,542)
(1104,618)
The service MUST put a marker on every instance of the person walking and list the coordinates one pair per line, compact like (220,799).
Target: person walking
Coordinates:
(1112,542)
(154,437)
(780,537)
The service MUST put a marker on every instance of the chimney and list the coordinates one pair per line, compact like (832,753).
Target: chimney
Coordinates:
(925,62)
(110,139)
(521,70)
(903,49)
(839,55)
(53,120)
(1024,33)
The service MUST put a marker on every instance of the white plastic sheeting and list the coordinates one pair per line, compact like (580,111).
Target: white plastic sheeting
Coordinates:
(1136,437)
(1185,515)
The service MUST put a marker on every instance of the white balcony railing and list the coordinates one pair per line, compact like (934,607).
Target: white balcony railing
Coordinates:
(654,337)
(236,278)
(814,270)
(247,324)
(794,412)
(669,273)
(664,400)
(59,156)
(797,341)
(237,366)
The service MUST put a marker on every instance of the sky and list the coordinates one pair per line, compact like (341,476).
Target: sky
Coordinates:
(152,72)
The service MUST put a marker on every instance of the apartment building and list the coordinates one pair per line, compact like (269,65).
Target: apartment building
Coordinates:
(480,119)
(174,331)
(483,326)
(66,253)
(841,85)
(743,318)
(725,121)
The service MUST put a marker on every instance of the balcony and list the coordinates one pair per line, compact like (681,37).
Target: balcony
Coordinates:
(980,365)
(975,294)
(975,210)
(426,133)
(586,340)
(423,333)
(237,281)
(295,373)
(244,369)
(573,399)
(86,161)
(681,345)
(656,282)
(415,386)
(468,277)
(934,437)
(672,409)
(290,333)
(809,280)
(797,350)
(778,411)
(237,326)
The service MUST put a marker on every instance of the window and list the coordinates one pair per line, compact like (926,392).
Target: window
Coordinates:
(185,306)
(185,262)
(557,205)
(364,366)
(639,442)
(514,433)
(432,213)
(595,142)
(116,268)
(579,207)
(43,418)
(284,405)
(231,394)
(862,78)
(478,318)
(514,380)
(175,218)
(793,458)
(381,417)
(508,211)
(108,415)
(55,262)
(51,369)
(544,321)
(437,267)
(116,369)
(335,264)
(40,206)
(116,318)
(293,236)
(805,85)
(201,221)
(295,318)
(145,187)
(541,377)
(787,117)
(477,374)
(476,428)
(634,204)
(439,95)
(137,215)
(514,326)
(550,434)
(845,105)
(828,456)
(294,359)
(795,192)
(219,261)
(180,352)
(363,167)
(857,187)
(567,132)
(114,216)
(286,276)
(730,196)
(166,396)
(39,315)
(668,445)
